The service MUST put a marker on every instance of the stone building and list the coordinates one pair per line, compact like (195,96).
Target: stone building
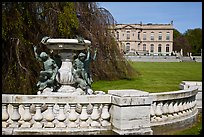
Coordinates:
(144,39)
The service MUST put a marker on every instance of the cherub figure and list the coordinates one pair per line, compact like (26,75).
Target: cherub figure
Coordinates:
(47,76)
(81,70)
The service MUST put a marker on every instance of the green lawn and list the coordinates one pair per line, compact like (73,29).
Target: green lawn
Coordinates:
(156,77)
(196,128)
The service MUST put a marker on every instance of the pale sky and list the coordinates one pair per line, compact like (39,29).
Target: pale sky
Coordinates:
(185,15)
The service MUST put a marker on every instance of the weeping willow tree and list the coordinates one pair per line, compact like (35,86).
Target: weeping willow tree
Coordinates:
(24,24)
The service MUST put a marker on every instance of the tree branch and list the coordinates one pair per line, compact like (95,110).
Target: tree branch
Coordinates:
(17,55)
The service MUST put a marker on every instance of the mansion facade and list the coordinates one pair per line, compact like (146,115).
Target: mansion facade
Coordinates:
(144,39)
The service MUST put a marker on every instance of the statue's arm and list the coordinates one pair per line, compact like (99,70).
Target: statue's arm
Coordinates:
(55,70)
(95,53)
(36,55)
(88,54)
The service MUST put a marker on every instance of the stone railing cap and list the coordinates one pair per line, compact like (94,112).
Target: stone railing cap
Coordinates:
(128,93)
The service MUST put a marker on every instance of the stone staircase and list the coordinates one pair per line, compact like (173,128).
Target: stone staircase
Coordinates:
(186,59)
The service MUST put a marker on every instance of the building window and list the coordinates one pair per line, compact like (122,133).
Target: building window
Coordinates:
(127,49)
(144,47)
(138,35)
(160,36)
(144,36)
(138,46)
(152,48)
(159,48)
(167,47)
(152,36)
(117,35)
(167,36)
(128,34)
(133,34)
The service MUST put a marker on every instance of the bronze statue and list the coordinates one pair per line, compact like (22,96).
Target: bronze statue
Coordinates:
(47,76)
(81,70)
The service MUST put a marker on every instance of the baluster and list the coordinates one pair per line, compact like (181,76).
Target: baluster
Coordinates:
(187,106)
(165,111)
(152,112)
(61,116)
(72,116)
(194,104)
(171,111)
(89,109)
(56,110)
(191,104)
(180,107)
(184,107)
(38,117)
(15,116)
(84,116)
(49,116)
(158,111)
(21,111)
(105,116)
(95,116)
(5,115)
(176,110)
(27,116)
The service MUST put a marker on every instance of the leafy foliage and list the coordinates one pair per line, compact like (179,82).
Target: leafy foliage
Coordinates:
(182,42)
(24,24)
(194,37)
(190,41)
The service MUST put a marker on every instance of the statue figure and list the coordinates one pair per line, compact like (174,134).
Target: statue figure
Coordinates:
(47,76)
(81,70)
(80,39)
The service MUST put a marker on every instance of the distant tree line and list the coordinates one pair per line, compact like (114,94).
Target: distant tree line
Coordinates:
(24,24)
(190,41)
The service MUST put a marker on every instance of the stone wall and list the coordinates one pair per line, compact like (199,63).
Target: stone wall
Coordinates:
(153,58)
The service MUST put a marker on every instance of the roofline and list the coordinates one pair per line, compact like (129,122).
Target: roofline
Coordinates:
(143,24)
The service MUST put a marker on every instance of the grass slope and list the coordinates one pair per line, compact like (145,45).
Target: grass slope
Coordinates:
(156,77)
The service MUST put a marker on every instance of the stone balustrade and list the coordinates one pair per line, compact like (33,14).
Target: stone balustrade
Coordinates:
(190,84)
(195,84)
(37,113)
(118,112)
(176,109)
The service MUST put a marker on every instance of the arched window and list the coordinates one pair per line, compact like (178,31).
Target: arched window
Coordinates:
(144,47)
(127,48)
(152,48)
(159,47)
(167,47)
